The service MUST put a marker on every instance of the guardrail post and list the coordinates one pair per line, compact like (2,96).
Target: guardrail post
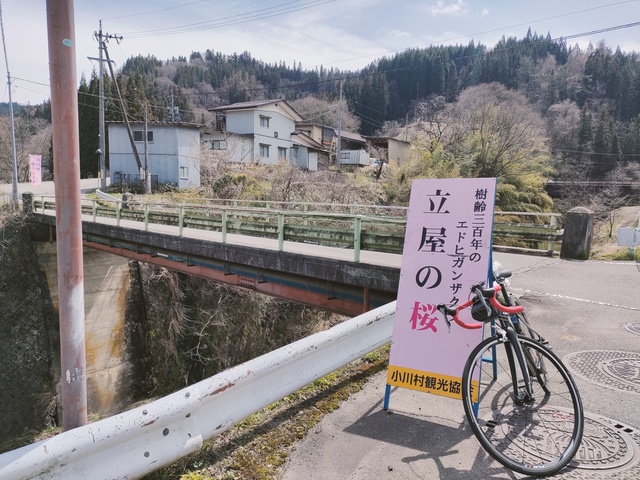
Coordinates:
(146,217)
(280,231)
(180,220)
(118,208)
(305,209)
(43,207)
(224,225)
(357,234)
(94,210)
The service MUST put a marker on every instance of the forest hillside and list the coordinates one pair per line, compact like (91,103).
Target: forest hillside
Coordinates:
(573,113)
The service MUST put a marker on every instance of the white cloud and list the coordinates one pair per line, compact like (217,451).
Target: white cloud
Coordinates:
(443,7)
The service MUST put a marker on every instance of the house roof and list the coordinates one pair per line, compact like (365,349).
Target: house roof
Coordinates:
(307,141)
(160,124)
(256,104)
(356,137)
(385,139)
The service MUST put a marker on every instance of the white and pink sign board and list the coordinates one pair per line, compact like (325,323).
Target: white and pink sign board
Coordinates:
(35,169)
(447,249)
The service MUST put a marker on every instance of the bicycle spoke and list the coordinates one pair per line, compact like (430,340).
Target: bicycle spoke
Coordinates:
(535,435)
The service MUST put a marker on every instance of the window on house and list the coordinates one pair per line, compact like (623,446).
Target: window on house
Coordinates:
(264,150)
(218,144)
(294,154)
(138,135)
(264,121)
(282,153)
(184,172)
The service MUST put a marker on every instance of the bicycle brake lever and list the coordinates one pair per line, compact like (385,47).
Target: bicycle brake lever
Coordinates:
(478,291)
(442,309)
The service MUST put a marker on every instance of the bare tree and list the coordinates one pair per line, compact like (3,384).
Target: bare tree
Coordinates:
(323,112)
(496,133)
(607,202)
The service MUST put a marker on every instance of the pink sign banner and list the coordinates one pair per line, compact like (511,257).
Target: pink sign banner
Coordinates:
(447,249)
(35,169)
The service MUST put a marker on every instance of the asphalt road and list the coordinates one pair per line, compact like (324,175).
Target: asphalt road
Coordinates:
(585,308)
(45,188)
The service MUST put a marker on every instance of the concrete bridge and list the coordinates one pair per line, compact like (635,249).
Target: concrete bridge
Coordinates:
(341,258)
(317,275)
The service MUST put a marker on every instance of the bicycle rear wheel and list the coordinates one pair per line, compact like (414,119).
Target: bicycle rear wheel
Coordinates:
(537,437)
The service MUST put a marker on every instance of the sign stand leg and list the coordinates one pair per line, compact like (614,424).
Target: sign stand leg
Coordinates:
(387,394)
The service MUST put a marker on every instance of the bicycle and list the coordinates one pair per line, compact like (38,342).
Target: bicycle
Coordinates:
(521,402)
(520,322)
(522,327)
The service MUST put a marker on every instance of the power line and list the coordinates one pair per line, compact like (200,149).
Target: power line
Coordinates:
(460,37)
(261,14)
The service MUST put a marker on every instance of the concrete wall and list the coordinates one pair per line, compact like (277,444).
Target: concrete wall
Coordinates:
(107,283)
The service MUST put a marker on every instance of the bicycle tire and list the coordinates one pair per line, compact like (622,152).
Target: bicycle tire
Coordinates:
(536,439)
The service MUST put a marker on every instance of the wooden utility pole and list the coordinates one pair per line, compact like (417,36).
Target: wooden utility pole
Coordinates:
(66,160)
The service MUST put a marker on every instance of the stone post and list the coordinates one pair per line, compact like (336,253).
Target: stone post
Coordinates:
(27,202)
(578,231)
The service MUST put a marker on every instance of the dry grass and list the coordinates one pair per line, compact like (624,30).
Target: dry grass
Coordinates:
(606,248)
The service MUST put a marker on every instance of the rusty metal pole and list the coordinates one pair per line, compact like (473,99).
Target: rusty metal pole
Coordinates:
(66,164)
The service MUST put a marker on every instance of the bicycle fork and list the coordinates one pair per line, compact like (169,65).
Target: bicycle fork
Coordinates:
(523,394)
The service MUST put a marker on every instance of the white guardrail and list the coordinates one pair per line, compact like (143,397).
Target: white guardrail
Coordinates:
(139,441)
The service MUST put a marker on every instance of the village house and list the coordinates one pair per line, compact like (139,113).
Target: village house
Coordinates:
(173,151)
(393,150)
(259,132)
(264,132)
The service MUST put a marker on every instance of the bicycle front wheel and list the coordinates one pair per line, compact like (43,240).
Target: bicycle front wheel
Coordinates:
(536,436)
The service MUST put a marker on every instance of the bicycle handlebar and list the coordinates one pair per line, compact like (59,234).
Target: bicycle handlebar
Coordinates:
(481,294)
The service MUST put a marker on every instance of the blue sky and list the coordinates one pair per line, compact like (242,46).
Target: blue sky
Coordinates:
(344,34)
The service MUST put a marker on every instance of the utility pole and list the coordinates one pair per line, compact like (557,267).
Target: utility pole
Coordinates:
(173,112)
(101,138)
(339,149)
(124,113)
(102,38)
(66,159)
(406,127)
(14,159)
(147,171)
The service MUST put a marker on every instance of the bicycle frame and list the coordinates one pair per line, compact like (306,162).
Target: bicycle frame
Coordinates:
(505,332)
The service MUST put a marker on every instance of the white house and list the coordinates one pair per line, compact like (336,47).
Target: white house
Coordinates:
(173,153)
(264,132)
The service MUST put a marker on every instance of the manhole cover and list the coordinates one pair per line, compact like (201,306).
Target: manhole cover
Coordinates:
(605,444)
(618,370)
(633,328)
(608,449)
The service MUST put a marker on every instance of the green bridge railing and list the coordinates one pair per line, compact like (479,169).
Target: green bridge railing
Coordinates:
(358,227)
